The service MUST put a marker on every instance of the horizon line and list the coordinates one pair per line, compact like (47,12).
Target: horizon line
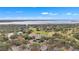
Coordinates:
(10,20)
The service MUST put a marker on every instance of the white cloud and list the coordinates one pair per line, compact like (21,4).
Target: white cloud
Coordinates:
(73,14)
(69,13)
(53,13)
(49,13)
(76,14)
(45,13)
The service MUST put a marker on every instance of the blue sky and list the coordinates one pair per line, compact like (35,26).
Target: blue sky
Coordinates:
(64,13)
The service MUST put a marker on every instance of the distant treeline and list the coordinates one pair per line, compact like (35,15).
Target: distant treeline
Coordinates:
(17,27)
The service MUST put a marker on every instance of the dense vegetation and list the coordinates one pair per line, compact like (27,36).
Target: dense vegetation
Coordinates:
(41,37)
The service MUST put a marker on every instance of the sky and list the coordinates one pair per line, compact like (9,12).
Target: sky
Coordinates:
(37,13)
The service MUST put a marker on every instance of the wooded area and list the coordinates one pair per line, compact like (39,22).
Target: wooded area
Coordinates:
(39,37)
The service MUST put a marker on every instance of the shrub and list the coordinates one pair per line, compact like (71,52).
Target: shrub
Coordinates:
(35,47)
(76,35)
(4,46)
